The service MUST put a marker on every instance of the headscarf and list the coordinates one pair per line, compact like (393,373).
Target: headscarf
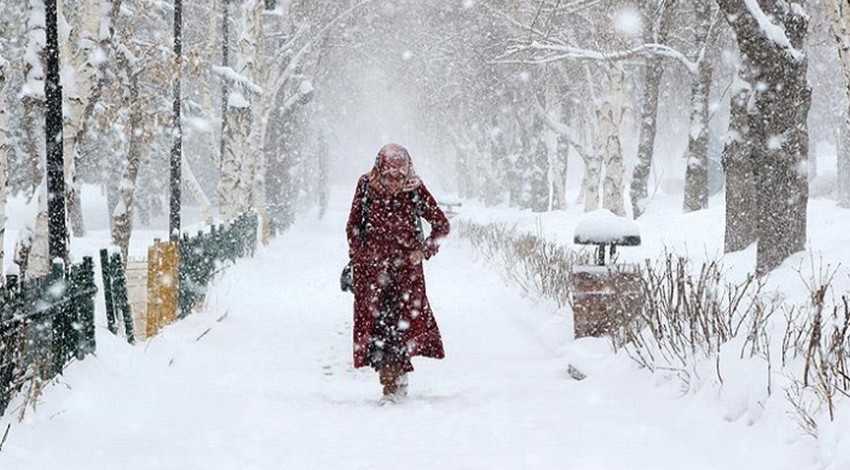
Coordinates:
(393,158)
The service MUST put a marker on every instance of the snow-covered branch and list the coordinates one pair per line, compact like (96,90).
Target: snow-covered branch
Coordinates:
(232,76)
(544,53)
(773,32)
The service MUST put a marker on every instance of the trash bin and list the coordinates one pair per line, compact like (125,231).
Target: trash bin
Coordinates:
(607,294)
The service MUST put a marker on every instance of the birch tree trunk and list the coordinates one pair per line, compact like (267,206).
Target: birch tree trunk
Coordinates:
(237,167)
(839,14)
(232,194)
(79,50)
(843,163)
(539,172)
(610,118)
(122,225)
(37,260)
(557,159)
(4,160)
(696,174)
(649,107)
(778,130)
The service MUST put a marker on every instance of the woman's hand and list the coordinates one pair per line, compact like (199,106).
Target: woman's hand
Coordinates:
(416,257)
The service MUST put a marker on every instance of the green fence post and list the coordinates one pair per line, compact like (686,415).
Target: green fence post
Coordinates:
(187,258)
(86,342)
(8,347)
(253,232)
(122,303)
(73,297)
(56,291)
(106,273)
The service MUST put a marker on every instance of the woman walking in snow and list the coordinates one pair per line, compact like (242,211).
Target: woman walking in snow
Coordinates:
(392,318)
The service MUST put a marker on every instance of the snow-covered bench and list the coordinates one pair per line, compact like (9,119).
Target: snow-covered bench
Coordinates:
(449,207)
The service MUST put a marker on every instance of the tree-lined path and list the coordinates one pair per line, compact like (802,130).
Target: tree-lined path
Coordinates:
(262,380)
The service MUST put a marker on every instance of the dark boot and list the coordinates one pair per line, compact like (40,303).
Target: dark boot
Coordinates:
(389,379)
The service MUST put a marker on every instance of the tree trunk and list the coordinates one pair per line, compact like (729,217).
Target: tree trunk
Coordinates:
(843,163)
(839,14)
(539,173)
(741,194)
(696,174)
(4,162)
(777,126)
(122,225)
(649,108)
(78,51)
(610,118)
(36,259)
(232,189)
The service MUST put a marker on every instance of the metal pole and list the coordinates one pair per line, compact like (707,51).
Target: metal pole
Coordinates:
(225,46)
(57,230)
(177,147)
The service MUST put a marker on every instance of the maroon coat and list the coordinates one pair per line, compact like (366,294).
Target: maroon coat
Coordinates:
(380,261)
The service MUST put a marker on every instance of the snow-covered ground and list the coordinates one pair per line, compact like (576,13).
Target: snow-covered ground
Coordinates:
(262,378)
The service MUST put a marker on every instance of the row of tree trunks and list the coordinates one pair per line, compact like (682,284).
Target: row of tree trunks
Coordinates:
(776,69)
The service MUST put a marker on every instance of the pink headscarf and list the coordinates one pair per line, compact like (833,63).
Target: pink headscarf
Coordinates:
(393,158)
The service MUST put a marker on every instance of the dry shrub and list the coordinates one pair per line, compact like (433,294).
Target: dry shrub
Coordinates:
(818,334)
(538,266)
(686,316)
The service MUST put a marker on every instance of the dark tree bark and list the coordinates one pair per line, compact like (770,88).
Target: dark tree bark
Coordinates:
(777,125)
(741,195)
(58,232)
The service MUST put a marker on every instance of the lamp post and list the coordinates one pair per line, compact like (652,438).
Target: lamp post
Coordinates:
(56,228)
(177,146)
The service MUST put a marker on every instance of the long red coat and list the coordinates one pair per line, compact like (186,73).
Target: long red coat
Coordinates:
(380,261)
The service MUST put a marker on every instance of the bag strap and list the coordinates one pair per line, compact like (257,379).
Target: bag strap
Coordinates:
(417,215)
(366,204)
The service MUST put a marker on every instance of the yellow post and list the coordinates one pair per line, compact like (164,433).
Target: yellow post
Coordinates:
(163,285)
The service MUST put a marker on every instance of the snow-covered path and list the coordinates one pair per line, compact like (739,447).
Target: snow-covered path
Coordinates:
(262,380)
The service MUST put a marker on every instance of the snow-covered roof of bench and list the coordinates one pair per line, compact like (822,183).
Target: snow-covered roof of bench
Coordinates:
(604,227)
